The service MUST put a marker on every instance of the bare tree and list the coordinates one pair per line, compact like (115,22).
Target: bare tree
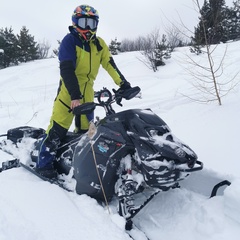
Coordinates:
(140,43)
(43,49)
(125,45)
(175,36)
(209,79)
(155,50)
(149,46)
(56,50)
(137,44)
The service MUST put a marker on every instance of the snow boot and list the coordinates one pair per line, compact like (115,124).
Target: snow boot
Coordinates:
(47,171)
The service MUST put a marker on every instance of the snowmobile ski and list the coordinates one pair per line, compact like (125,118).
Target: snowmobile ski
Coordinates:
(58,182)
(217,186)
(15,163)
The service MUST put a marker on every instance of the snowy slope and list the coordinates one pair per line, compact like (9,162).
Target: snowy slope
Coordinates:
(33,209)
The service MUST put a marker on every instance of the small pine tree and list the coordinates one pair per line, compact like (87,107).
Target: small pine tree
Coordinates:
(28,49)
(195,47)
(114,47)
(162,51)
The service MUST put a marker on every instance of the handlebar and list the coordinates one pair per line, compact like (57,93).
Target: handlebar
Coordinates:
(87,108)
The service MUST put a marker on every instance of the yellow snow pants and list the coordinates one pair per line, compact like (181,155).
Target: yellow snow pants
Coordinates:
(62,103)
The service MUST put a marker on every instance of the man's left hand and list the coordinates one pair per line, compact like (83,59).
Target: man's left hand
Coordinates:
(75,103)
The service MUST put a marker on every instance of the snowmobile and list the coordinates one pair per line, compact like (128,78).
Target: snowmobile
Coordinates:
(129,156)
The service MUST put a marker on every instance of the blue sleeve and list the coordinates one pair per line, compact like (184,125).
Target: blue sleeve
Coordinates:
(67,50)
(67,58)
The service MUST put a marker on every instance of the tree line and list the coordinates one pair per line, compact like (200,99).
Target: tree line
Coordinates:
(217,23)
(15,49)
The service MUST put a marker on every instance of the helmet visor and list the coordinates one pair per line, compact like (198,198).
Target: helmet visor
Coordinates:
(87,22)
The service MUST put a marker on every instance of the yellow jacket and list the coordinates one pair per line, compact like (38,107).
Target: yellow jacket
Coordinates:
(79,65)
(85,59)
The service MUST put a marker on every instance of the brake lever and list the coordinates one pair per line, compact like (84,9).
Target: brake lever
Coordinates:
(118,97)
(118,100)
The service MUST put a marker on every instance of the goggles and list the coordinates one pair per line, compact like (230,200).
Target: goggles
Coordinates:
(87,22)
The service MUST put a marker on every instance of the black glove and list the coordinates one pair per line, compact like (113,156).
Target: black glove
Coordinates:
(125,85)
(120,92)
(125,91)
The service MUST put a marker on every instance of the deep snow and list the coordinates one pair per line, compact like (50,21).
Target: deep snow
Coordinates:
(33,209)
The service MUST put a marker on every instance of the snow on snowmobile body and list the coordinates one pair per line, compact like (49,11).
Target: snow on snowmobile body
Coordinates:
(160,157)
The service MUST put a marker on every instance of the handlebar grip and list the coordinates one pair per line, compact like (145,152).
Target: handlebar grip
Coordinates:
(84,108)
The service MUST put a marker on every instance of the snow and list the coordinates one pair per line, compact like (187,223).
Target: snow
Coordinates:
(33,209)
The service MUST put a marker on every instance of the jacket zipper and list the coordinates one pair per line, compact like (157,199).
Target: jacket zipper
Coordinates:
(90,69)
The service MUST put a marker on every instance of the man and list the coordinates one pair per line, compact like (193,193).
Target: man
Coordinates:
(81,53)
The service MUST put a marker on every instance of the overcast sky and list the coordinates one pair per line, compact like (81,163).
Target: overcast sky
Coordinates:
(50,19)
